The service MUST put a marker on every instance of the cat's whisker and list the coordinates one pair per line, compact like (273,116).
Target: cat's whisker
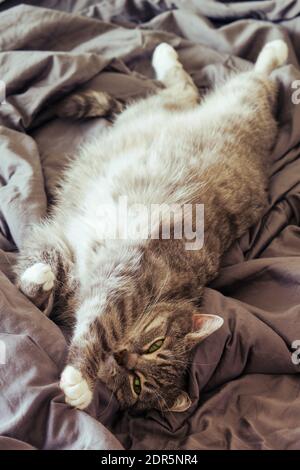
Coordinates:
(110,399)
(108,404)
(161,402)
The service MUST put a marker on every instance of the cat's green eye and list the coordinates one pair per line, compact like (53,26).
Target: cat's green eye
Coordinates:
(137,386)
(155,346)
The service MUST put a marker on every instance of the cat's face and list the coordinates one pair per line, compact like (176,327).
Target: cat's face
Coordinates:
(146,364)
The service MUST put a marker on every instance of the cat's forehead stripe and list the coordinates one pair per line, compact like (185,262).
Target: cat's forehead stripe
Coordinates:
(156,323)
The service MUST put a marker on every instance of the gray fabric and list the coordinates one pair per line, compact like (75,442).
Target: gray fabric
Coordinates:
(243,383)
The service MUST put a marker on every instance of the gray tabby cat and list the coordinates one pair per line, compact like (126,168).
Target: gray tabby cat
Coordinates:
(133,301)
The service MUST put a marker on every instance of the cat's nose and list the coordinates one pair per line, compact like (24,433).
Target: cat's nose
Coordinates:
(126,359)
(121,357)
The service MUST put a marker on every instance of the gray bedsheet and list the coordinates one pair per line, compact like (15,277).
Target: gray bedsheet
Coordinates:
(243,382)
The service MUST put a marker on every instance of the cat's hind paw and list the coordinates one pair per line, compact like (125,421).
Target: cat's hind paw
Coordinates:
(273,55)
(164,59)
(75,387)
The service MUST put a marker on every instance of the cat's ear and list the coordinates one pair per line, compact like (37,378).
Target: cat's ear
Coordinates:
(203,326)
(182,403)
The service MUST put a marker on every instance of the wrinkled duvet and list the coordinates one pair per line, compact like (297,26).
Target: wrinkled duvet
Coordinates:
(244,380)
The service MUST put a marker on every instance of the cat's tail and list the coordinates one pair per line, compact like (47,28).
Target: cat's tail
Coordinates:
(273,55)
(86,104)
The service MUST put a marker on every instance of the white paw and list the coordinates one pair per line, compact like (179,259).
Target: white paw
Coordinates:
(75,388)
(278,49)
(40,274)
(164,59)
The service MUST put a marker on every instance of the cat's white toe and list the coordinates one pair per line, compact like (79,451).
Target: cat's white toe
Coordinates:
(273,55)
(75,387)
(40,274)
(164,59)
(279,49)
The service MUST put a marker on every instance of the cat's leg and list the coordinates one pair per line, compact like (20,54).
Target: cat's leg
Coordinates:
(272,55)
(180,90)
(85,353)
(255,90)
(90,351)
(42,265)
(247,100)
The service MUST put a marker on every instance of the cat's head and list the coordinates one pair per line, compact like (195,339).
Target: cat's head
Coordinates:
(144,361)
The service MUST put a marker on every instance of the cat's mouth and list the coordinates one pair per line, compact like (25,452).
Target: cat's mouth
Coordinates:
(109,368)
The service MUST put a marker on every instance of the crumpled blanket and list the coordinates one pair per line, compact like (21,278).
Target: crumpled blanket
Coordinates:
(244,380)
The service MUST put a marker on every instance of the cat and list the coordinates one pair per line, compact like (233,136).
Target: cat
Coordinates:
(134,302)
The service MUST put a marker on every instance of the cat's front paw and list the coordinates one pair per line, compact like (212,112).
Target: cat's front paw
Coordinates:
(39,274)
(164,59)
(37,283)
(75,387)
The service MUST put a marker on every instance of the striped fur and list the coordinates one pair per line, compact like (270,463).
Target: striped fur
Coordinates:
(87,104)
(125,295)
